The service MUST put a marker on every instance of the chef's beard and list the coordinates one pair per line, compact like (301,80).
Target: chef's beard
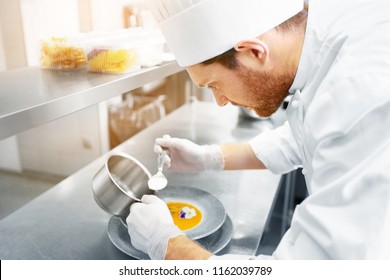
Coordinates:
(265,91)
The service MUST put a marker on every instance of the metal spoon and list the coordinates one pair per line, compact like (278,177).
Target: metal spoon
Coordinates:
(158,181)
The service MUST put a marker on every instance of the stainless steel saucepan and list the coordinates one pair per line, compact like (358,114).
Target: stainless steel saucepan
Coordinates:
(122,181)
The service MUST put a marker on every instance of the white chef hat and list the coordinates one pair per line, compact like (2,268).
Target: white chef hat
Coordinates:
(197,30)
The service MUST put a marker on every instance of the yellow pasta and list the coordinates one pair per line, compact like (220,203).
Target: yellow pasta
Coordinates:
(112,61)
(56,53)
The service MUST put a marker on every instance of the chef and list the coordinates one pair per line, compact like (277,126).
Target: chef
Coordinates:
(333,58)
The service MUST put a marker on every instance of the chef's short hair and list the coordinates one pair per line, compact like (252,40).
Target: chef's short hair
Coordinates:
(228,58)
(293,22)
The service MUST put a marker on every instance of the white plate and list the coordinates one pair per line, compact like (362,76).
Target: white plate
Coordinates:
(117,232)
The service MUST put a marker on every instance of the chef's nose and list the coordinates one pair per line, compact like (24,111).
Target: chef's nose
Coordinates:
(221,99)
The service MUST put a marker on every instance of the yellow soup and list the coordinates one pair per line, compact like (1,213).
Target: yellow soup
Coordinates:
(185,215)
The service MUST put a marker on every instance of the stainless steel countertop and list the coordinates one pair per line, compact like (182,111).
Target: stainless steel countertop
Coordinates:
(66,223)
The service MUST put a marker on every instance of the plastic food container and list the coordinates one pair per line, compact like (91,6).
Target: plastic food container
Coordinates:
(151,53)
(62,53)
(113,59)
(124,50)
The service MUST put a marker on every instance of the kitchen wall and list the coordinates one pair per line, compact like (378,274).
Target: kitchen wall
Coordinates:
(2,55)
(12,32)
(63,146)
(107,15)
(9,153)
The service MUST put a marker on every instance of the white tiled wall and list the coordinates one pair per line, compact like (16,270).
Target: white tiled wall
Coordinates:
(63,146)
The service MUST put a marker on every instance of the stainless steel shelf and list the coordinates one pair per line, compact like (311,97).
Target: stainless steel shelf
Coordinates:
(31,96)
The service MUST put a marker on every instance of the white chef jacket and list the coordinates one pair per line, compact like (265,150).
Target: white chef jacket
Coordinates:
(338,131)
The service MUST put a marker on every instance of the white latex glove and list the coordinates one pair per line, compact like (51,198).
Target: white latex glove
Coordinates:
(186,156)
(150,226)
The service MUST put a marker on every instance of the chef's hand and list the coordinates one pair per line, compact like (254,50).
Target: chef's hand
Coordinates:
(186,156)
(150,226)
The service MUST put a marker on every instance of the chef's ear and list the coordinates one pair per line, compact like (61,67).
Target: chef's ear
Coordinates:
(257,47)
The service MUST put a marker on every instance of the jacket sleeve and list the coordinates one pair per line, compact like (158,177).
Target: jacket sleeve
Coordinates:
(277,149)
